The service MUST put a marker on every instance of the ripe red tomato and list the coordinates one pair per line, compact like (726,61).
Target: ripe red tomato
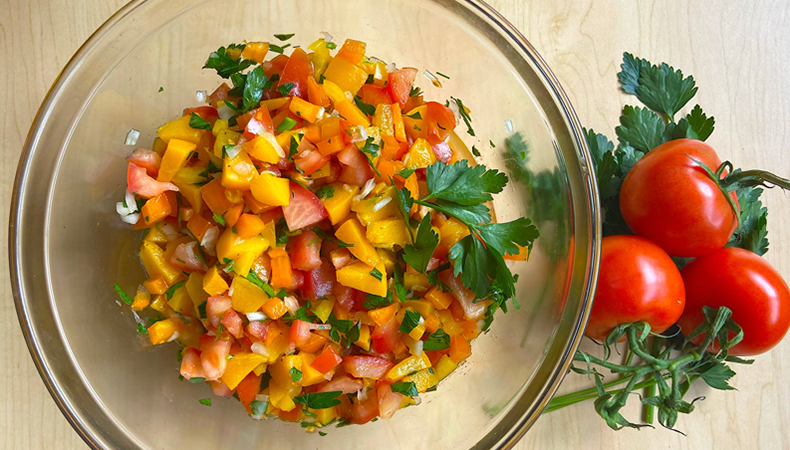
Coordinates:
(669,199)
(399,84)
(742,281)
(637,282)
(304,208)
(305,251)
(296,71)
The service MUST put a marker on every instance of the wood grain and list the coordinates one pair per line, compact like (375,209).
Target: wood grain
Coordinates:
(739,53)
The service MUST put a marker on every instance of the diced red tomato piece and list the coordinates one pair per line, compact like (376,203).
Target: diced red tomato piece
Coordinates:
(304,339)
(342,383)
(257,330)
(248,390)
(385,337)
(296,71)
(139,182)
(399,84)
(275,66)
(374,95)
(216,307)
(146,158)
(310,160)
(366,366)
(220,94)
(259,123)
(304,209)
(440,121)
(365,412)
(213,356)
(356,169)
(220,389)
(319,282)
(232,323)
(185,257)
(298,279)
(305,251)
(190,363)
(389,401)
(327,360)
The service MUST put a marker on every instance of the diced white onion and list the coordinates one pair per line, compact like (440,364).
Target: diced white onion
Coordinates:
(224,112)
(391,67)
(334,113)
(201,96)
(260,348)
(210,240)
(128,212)
(381,203)
(456,112)
(169,231)
(230,291)
(131,218)
(273,141)
(255,127)
(262,398)
(359,134)
(373,59)
(509,126)
(321,114)
(432,78)
(369,185)
(349,96)
(132,136)
(291,304)
(362,395)
(256,315)
(417,400)
(233,152)
(418,348)
(173,337)
(327,37)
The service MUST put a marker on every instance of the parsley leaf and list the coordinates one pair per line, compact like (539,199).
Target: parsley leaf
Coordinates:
(284,37)
(141,328)
(696,125)
(462,184)
(202,309)
(296,374)
(664,89)
(219,219)
(319,400)
(196,121)
(375,301)
(371,150)
(601,149)
(416,115)
(641,127)
(205,401)
(277,49)
(126,299)
(464,115)
(172,289)
(225,64)
(256,83)
(397,277)
(504,236)
(406,173)
(410,320)
(437,341)
(419,255)
(325,192)
(376,273)
(406,388)
(367,109)
(286,88)
(252,277)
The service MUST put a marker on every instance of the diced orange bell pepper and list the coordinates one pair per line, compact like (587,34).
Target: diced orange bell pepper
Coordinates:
(420,155)
(339,205)
(331,145)
(232,215)
(305,110)
(382,119)
(282,275)
(175,158)
(353,233)
(255,51)
(213,283)
(180,302)
(194,286)
(397,123)
(451,232)
(459,348)
(249,225)
(315,94)
(214,195)
(155,209)
(165,330)
(275,103)
(264,148)
(239,367)
(312,133)
(432,323)
(180,129)
(275,308)
(156,285)
(230,245)
(248,389)
(352,51)
(247,297)
(193,195)
(343,105)
(330,126)
(243,263)
(155,263)
(383,315)
(439,298)
(271,190)
(141,300)
(346,75)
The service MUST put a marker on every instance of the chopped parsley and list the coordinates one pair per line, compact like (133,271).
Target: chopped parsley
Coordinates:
(319,400)
(172,289)
(406,388)
(364,107)
(205,401)
(285,89)
(126,299)
(296,374)
(195,121)
(224,64)
(410,321)
(375,273)
(141,328)
(464,115)
(277,48)
(436,341)
(284,37)
(419,255)
(325,192)
(219,219)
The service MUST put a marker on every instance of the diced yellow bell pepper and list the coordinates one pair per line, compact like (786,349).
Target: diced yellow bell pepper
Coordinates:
(420,155)
(213,283)
(255,51)
(247,297)
(415,281)
(351,232)
(449,325)
(388,258)
(180,129)
(165,330)
(271,190)
(358,275)
(195,290)
(324,308)
(346,75)
(339,205)
(444,367)
(159,146)
(320,57)
(141,299)
(261,148)
(387,233)
(323,172)
(181,303)
(310,376)
(424,379)
(231,246)
(260,369)
(189,175)
(238,172)
(243,263)
(424,307)
(225,137)
(156,235)
(325,415)
(377,206)
(174,159)
(411,364)
(193,195)
(269,233)
(344,106)
(275,103)
(282,388)
(417,332)
(159,304)
(439,298)
(364,338)
(382,119)
(219,126)
(153,259)
(279,396)
(239,367)
(452,231)
(189,335)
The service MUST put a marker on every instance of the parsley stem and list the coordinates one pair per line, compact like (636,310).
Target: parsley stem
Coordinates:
(591,393)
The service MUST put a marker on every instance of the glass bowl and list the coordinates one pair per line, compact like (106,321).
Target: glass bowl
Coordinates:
(68,246)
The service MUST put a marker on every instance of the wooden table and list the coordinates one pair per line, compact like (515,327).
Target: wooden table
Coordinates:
(739,53)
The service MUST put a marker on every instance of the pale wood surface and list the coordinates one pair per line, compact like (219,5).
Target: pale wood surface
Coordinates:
(739,53)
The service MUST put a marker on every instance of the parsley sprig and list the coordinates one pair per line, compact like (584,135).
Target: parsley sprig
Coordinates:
(460,191)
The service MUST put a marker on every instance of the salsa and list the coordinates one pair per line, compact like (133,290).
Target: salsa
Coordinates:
(316,237)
